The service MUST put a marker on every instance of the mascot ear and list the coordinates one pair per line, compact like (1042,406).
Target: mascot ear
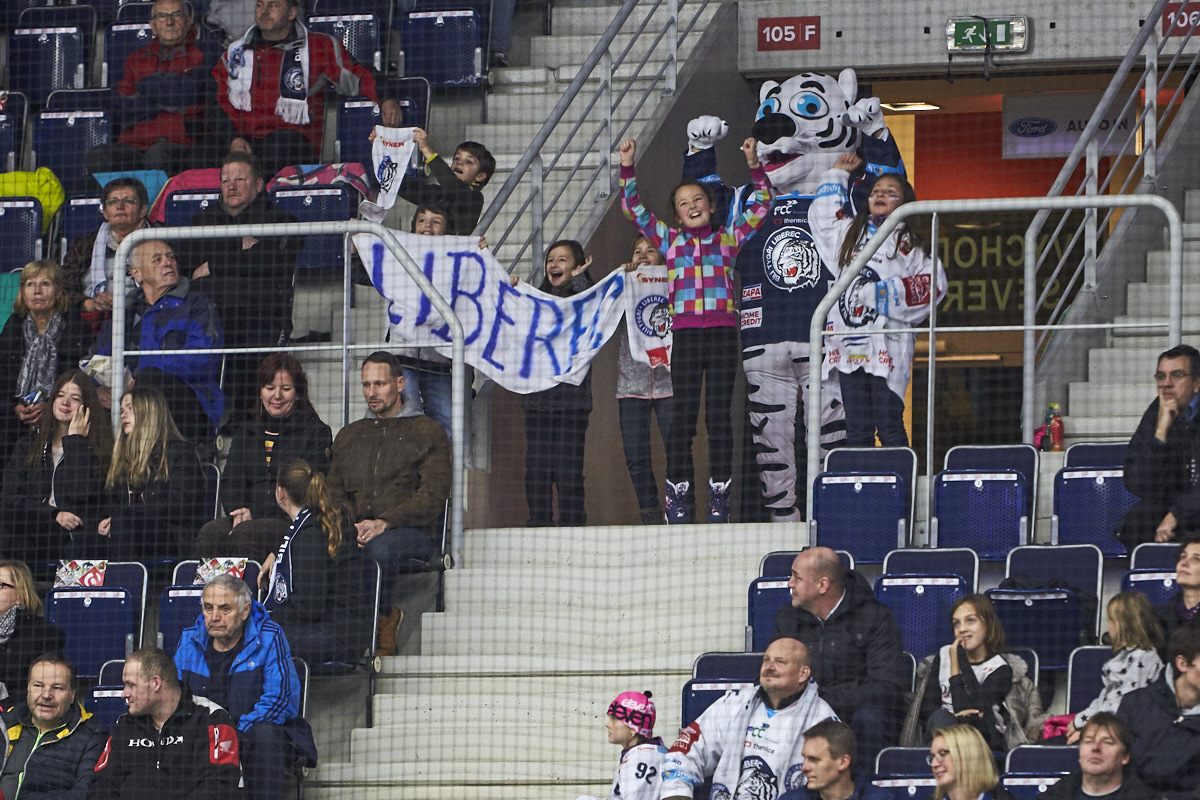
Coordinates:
(770,86)
(848,83)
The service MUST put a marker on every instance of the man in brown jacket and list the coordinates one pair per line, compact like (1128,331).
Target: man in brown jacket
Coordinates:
(391,471)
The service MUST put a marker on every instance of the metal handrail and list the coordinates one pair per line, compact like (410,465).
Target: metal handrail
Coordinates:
(602,103)
(1142,173)
(816,328)
(458,353)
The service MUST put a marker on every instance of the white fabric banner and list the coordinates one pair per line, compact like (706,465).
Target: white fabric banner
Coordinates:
(391,151)
(648,315)
(523,339)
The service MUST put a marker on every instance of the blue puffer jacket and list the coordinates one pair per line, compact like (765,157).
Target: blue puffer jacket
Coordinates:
(179,320)
(263,685)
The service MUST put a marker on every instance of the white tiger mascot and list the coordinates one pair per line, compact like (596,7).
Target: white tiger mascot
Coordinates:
(802,126)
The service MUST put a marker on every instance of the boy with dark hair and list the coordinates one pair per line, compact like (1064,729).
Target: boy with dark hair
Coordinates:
(459,184)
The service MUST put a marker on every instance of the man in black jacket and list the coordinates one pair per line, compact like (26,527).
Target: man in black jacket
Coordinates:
(1162,461)
(53,743)
(248,278)
(854,644)
(1165,720)
(169,744)
(1104,751)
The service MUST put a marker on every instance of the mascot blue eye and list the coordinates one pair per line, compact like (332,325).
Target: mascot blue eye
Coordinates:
(808,105)
(769,106)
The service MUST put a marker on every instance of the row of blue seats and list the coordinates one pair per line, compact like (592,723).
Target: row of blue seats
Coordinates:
(985,498)
(1028,770)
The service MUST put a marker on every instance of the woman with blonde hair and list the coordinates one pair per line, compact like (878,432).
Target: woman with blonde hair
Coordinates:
(963,767)
(314,583)
(24,634)
(155,485)
(53,482)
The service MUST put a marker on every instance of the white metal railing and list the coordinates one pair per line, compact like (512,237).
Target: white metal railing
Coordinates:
(817,332)
(457,367)
(598,179)
(1149,47)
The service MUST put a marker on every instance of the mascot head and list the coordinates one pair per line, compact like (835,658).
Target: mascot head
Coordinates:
(806,122)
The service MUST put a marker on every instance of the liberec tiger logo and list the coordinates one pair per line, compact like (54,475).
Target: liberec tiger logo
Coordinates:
(386,173)
(791,260)
(858,316)
(294,79)
(653,316)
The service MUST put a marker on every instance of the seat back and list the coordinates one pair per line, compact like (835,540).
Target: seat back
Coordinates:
(1022,458)
(1041,759)
(698,695)
(1083,455)
(960,561)
(766,597)
(98,623)
(111,672)
(49,16)
(902,761)
(1045,620)
(1079,565)
(184,574)
(41,60)
(80,100)
(875,460)
(132,576)
(727,666)
(135,12)
(182,206)
(864,514)
(212,495)
(81,215)
(20,232)
(1087,506)
(1030,657)
(8,142)
(120,40)
(1024,786)
(906,787)
(1085,678)
(61,140)
(444,47)
(921,605)
(985,511)
(359,34)
(779,563)
(1156,584)
(319,204)
(107,703)
(179,609)
(1155,555)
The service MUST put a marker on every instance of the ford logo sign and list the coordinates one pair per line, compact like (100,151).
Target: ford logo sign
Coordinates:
(1033,127)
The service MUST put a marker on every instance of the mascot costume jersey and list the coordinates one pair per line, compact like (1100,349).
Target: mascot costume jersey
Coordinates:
(802,126)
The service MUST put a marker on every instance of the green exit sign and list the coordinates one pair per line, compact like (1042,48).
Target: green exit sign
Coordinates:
(975,35)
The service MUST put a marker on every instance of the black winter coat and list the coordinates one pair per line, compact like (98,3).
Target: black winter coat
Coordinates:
(1069,787)
(249,482)
(61,767)
(74,343)
(152,522)
(857,655)
(1166,745)
(32,636)
(78,484)
(1164,475)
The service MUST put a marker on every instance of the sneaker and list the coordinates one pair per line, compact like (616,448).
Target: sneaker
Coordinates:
(718,501)
(676,501)
(651,515)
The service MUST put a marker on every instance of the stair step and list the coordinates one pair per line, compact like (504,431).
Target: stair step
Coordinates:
(594,20)
(558,51)
(1109,399)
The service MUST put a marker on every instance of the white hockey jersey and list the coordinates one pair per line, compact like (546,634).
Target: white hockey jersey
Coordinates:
(751,751)
(897,280)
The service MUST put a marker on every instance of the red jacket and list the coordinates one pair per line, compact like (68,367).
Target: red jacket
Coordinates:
(180,80)
(327,61)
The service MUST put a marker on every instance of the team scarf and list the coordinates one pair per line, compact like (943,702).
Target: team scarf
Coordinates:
(390,154)
(98,272)
(281,570)
(648,315)
(292,105)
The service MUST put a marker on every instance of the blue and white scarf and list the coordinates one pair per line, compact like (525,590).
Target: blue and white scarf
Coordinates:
(292,105)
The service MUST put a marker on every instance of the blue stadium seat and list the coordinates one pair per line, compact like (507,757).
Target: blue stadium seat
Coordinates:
(80,99)
(61,140)
(41,60)
(111,671)
(698,695)
(1030,657)
(921,605)
(185,573)
(907,787)
(81,215)
(50,16)
(1084,677)
(1044,620)
(727,666)
(99,624)
(1026,786)
(20,232)
(319,204)
(910,662)
(8,142)
(356,118)
(16,106)
(182,206)
(135,12)
(985,511)
(213,494)
(985,458)
(902,761)
(864,514)
(1157,584)
(121,39)
(960,561)
(766,597)
(1155,555)
(1087,505)
(179,609)
(133,577)
(876,460)
(1078,565)
(107,703)
(1041,759)
(779,563)
(359,33)
(446,47)
(382,9)
(1084,455)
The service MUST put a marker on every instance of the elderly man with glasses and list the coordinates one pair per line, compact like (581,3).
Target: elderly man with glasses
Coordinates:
(1162,461)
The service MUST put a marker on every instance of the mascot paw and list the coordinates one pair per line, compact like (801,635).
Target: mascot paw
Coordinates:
(866,115)
(704,132)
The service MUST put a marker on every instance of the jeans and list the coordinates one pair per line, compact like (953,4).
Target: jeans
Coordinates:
(432,394)
(871,406)
(264,753)
(635,435)
(399,551)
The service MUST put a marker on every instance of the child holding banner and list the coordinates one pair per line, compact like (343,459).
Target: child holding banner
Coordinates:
(556,419)
(704,323)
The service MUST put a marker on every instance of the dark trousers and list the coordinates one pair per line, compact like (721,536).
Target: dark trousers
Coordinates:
(871,406)
(705,358)
(189,416)
(635,435)
(316,645)
(169,157)
(554,457)
(399,551)
(283,148)
(254,538)
(874,729)
(264,755)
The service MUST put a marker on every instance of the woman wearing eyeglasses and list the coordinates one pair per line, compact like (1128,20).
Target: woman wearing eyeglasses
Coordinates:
(24,634)
(40,341)
(963,767)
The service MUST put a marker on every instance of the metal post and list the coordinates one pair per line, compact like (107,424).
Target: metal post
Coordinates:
(347,295)
(672,37)
(1150,125)
(605,143)
(930,382)
(1091,236)
(538,210)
